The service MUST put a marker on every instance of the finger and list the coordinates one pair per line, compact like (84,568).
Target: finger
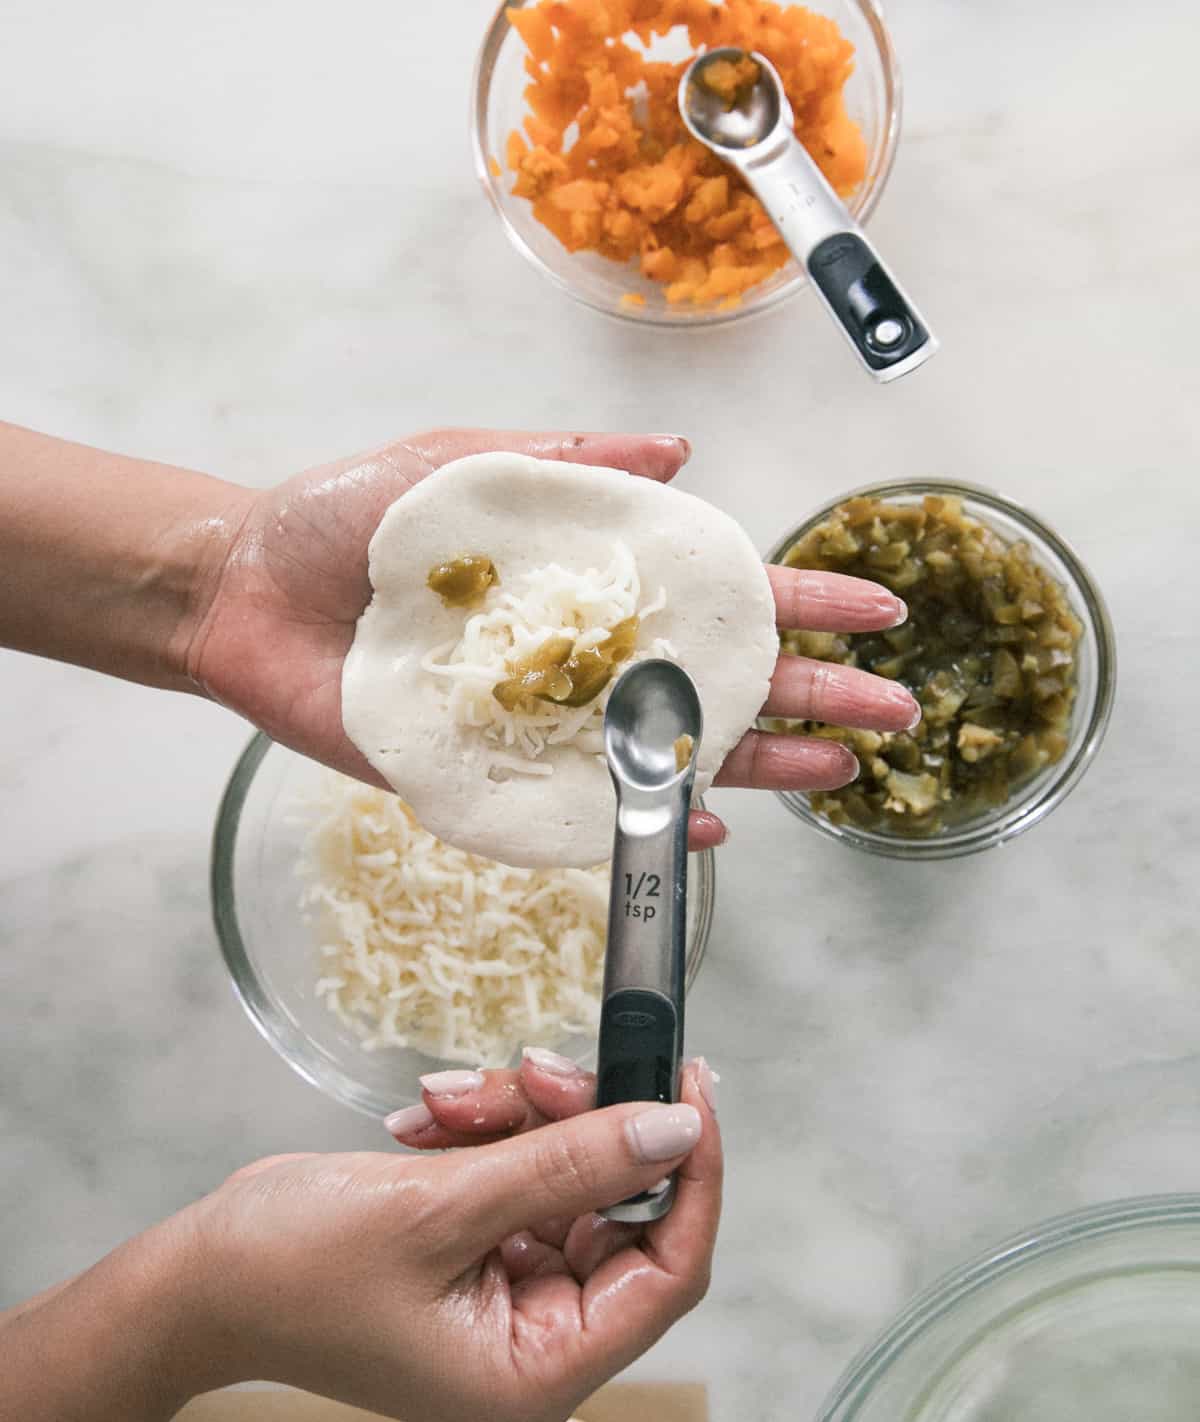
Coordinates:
(634,1297)
(832,602)
(592,1240)
(555,1085)
(808,690)
(417,1128)
(555,1088)
(705,831)
(476,1102)
(525,1256)
(682,1241)
(383,474)
(657,457)
(462,1108)
(554,1230)
(566,1168)
(764,762)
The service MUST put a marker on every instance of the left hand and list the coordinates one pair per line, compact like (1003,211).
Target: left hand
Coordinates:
(472,1283)
(280,613)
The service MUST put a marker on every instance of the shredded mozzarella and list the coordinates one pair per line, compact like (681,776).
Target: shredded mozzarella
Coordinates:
(425,946)
(512,623)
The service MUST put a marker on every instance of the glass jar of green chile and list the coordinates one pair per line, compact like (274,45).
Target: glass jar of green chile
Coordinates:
(1008,647)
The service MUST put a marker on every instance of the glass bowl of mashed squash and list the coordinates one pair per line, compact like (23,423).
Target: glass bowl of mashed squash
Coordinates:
(579,146)
(1008,648)
(368,953)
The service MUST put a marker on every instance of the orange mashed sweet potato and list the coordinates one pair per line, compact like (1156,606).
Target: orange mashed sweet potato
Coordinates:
(609,166)
(727,78)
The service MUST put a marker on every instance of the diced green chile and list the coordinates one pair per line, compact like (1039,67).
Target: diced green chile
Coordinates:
(989,651)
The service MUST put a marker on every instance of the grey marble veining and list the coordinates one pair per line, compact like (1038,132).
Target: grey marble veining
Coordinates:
(222,244)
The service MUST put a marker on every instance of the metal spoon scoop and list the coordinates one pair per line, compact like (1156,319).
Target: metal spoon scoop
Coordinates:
(755,135)
(652,729)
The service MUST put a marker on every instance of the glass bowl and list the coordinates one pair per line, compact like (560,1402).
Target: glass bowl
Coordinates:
(872,99)
(1034,798)
(270,946)
(1091,1317)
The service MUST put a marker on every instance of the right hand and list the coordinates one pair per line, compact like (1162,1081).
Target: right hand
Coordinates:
(470,1284)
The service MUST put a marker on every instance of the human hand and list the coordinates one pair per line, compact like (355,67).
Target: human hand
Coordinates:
(280,615)
(476,1283)
(470,1284)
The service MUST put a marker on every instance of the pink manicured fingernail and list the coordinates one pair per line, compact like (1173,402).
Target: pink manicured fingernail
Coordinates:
(706,1080)
(409,1119)
(899,698)
(452,1083)
(682,441)
(898,608)
(549,1061)
(703,821)
(663,1132)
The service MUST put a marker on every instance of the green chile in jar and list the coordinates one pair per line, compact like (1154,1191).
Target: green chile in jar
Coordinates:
(989,650)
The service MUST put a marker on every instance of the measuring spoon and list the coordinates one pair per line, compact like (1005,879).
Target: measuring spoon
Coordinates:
(755,134)
(652,728)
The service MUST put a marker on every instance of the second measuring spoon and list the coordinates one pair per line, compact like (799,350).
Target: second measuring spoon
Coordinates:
(652,728)
(753,130)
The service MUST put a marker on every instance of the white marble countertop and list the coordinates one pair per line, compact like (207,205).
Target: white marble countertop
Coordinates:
(224,242)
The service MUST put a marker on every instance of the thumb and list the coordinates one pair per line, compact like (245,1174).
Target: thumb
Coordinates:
(650,455)
(568,1168)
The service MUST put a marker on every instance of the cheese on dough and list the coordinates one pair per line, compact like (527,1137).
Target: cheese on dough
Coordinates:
(547,602)
(428,947)
(528,795)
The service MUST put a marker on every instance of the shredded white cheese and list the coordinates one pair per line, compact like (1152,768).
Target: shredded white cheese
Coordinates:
(429,947)
(514,621)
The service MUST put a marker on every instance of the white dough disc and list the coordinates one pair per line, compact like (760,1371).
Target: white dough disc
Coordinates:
(525,514)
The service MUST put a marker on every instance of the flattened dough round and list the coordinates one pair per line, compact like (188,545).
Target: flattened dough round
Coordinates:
(524,514)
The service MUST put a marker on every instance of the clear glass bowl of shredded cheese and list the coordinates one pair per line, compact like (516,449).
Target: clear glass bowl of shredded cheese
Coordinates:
(367,953)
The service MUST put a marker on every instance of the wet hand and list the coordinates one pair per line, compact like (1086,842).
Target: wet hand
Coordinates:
(282,611)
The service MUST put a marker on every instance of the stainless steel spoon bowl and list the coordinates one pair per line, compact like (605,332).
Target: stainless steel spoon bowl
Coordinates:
(754,113)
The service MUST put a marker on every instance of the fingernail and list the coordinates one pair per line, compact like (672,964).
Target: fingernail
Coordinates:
(704,821)
(706,1080)
(663,1132)
(901,699)
(409,1119)
(726,833)
(916,720)
(452,1083)
(898,608)
(660,1187)
(681,441)
(549,1061)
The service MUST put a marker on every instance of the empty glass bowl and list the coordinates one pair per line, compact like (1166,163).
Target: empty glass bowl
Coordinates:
(270,946)
(872,99)
(1092,1317)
